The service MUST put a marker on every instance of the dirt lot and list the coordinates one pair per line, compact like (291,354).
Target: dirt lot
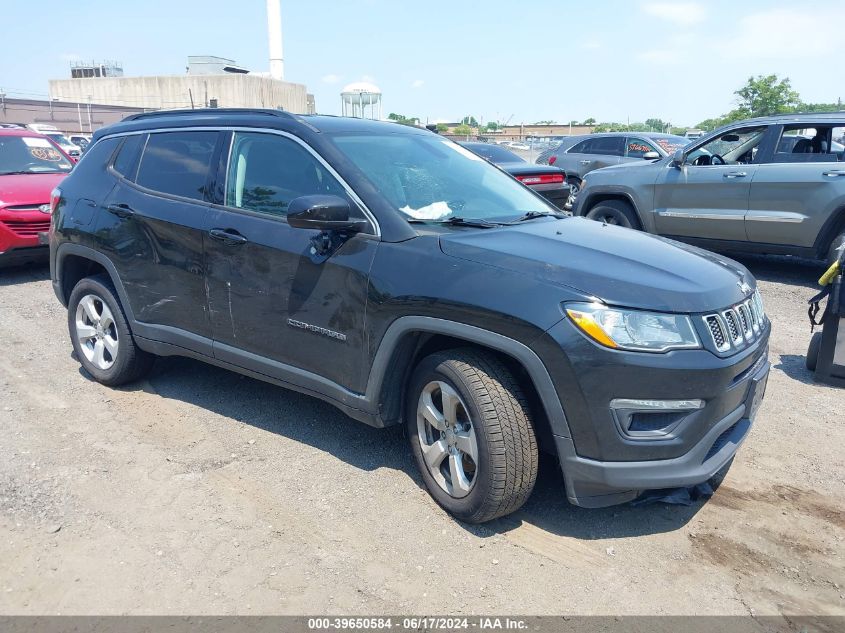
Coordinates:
(200,491)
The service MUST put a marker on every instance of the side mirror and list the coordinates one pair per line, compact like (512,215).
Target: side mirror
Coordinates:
(678,158)
(651,156)
(322,213)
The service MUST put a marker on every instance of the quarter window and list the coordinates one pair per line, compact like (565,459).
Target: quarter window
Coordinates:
(818,144)
(127,156)
(177,163)
(581,148)
(267,171)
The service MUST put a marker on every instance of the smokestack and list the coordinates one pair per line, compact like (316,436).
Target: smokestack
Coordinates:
(274,33)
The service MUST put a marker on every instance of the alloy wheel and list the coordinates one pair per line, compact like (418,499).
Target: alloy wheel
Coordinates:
(447,438)
(96,332)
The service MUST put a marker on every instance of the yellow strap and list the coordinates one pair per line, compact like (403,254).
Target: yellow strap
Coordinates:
(829,274)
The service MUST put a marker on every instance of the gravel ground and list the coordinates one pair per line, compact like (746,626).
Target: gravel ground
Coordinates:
(200,491)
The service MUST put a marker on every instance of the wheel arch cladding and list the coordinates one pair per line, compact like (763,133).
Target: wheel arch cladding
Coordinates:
(82,259)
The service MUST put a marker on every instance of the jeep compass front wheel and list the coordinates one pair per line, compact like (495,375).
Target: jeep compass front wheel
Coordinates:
(471,434)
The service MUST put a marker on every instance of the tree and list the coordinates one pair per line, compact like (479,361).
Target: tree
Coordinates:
(442,127)
(462,130)
(546,123)
(656,125)
(766,95)
(470,121)
(401,118)
(589,121)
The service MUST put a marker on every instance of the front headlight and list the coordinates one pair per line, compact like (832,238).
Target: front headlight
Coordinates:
(633,330)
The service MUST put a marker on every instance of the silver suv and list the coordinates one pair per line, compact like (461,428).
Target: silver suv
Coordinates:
(595,151)
(769,185)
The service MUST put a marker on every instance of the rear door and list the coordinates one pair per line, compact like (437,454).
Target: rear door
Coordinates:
(153,231)
(594,153)
(707,197)
(280,306)
(798,187)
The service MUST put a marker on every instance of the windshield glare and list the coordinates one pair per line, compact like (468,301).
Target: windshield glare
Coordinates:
(31,155)
(670,144)
(431,178)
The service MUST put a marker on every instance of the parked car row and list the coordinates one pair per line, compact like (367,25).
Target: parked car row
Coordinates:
(406,280)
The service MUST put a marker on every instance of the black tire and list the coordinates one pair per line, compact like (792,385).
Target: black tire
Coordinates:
(498,411)
(130,362)
(813,351)
(834,251)
(617,212)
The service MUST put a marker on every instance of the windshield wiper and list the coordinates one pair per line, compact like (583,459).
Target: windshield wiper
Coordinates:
(18,173)
(533,215)
(475,222)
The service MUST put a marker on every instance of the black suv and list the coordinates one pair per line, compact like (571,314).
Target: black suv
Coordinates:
(405,280)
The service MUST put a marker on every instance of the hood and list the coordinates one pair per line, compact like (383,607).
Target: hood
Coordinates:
(620,266)
(22,189)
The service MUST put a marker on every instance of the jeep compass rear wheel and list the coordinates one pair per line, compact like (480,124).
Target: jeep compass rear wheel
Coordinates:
(615,212)
(100,334)
(471,434)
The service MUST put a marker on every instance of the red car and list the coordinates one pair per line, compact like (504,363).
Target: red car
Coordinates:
(31,165)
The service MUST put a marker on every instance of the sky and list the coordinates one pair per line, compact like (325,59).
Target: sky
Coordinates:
(520,61)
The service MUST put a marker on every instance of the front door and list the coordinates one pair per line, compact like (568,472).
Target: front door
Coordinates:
(278,306)
(707,197)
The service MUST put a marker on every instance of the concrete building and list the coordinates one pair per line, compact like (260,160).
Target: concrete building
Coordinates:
(69,117)
(231,90)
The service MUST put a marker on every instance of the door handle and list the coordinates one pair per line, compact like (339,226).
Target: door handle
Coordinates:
(834,173)
(735,174)
(585,162)
(229,237)
(121,210)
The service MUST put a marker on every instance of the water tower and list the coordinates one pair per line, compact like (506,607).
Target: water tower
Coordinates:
(361,100)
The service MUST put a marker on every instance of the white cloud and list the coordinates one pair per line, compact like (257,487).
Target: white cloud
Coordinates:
(330,78)
(683,13)
(368,79)
(417,83)
(591,45)
(756,36)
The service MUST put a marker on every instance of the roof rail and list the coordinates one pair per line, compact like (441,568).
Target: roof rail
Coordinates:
(186,112)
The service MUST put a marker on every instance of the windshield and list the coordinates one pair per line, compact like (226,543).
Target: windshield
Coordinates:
(31,155)
(430,178)
(61,139)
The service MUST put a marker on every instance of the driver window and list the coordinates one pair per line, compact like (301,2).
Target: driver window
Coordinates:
(638,147)
(267,171)
(736,147)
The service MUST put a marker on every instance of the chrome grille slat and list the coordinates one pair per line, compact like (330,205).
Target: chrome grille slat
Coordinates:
(737,326)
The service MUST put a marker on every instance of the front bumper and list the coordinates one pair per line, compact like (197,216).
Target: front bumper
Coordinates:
(594,484)
(602,462)
(19,236)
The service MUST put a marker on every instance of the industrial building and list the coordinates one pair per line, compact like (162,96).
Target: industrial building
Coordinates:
(69,117)
(209,82)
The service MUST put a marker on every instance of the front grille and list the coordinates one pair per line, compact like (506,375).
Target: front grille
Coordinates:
(737,326)
(24,207)
(28,228)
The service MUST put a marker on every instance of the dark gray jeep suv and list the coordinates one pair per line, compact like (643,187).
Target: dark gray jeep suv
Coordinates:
(405,280)
(770,185)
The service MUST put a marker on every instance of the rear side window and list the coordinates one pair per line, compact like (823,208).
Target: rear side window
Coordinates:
(177,163)
(127,156)
(801,144)
(608,145)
